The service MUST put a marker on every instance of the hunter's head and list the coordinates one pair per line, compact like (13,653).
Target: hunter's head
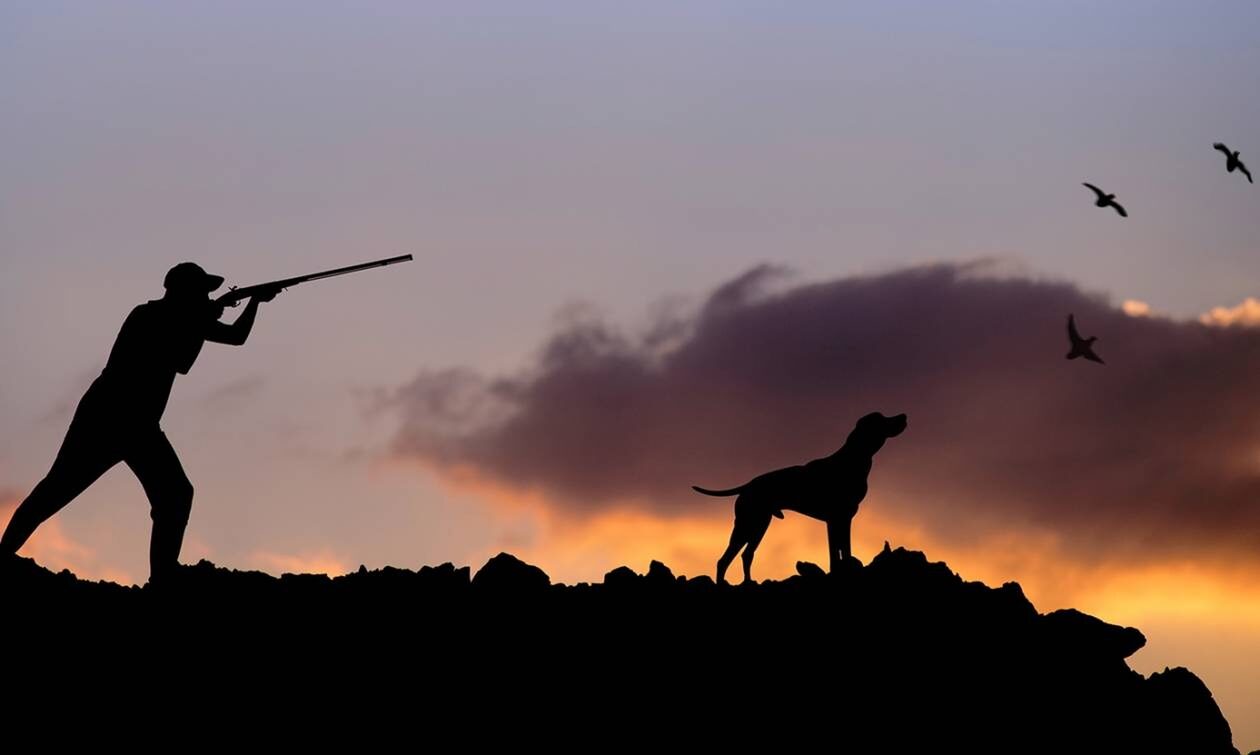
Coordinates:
(188,282)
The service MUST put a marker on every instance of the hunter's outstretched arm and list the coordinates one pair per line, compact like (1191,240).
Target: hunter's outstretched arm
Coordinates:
(236,333)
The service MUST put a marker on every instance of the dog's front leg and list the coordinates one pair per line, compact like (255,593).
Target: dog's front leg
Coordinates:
(838,534)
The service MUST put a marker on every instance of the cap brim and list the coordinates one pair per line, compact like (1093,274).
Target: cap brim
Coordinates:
(213,282)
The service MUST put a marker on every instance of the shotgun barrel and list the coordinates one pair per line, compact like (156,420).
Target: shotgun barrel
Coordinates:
(236,295)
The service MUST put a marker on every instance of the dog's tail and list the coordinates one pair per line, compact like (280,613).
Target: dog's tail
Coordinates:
(718,493)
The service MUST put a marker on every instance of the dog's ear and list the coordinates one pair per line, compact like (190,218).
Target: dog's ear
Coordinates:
(873,424)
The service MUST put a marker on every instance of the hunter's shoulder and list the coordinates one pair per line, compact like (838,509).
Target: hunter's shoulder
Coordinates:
(146,310)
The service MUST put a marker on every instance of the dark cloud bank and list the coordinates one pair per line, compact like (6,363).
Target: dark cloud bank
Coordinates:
(1156,454)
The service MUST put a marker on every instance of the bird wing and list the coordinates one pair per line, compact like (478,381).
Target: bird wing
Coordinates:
(1072,333)
(1096,190)
(1119,209)
(1222,148)
(1245,172)
(1091,356)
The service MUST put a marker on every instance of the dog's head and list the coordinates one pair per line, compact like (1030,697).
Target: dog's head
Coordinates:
(871,431)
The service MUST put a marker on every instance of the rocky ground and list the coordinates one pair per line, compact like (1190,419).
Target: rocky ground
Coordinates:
(900,655)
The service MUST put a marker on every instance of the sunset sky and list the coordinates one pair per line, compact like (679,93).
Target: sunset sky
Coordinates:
(657,245)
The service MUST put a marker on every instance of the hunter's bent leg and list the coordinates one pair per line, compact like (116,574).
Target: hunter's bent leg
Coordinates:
(170,498)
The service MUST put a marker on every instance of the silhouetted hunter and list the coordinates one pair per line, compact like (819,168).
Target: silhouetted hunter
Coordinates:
(118,417)
(829,489)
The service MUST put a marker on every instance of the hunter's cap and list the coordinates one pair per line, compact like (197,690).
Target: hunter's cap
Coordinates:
(188,276)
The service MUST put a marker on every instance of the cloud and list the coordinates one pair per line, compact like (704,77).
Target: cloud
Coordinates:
(1135,308)
(1245,314)
(233,392)
(1155,455)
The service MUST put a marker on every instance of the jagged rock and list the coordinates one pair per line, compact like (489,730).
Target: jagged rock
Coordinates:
(446,575)
(660,574)
(507,572)
(1188,716)
(908,562)
(622,576)
(909,656)
(1079,630)
(1012,597)
(810,570)
(305,582)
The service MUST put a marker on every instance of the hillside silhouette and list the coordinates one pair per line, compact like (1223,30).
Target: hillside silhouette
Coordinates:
(896,656)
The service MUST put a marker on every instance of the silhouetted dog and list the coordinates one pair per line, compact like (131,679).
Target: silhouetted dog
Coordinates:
(829,489)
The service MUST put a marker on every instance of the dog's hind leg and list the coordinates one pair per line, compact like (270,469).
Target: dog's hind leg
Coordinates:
(751,522)
(736,543)
(756,524)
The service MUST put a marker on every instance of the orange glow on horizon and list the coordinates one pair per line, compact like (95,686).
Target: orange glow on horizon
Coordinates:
(318,562)
(54,549)
(575,547)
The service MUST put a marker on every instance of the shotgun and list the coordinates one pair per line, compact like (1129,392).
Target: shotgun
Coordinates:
(236,295)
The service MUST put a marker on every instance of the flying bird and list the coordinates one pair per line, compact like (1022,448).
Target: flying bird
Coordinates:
(1106,200)
(1081,347)
(1232,162)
